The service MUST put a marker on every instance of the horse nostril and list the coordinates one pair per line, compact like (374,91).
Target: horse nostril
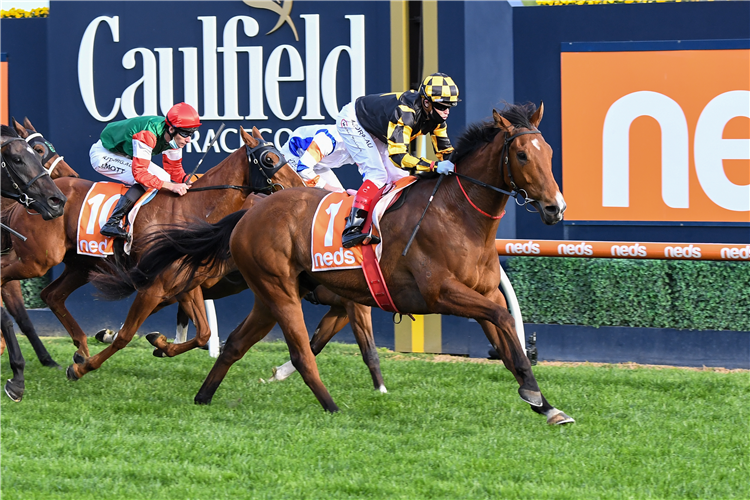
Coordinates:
(552,209)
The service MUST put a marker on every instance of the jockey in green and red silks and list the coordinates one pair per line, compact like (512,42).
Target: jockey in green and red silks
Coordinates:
(377,131)
(124,154)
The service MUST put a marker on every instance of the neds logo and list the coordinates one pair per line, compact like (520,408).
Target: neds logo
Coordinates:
(528,248)
(736,253)
(341,256)
(636,250)
(690,252)
(582,248)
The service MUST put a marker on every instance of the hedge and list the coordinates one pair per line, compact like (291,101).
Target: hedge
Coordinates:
(31,289)
(641,293)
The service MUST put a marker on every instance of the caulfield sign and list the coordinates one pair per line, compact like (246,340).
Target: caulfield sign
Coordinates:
(671,129)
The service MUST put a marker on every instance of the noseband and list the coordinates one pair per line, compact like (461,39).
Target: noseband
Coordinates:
(260,161)
(37,138)
(20,190)
(505,163)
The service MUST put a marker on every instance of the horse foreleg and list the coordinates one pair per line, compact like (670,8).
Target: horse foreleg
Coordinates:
(192,304)
(55,295)
(13,299)
(256,325)
(492,314)
(15,387)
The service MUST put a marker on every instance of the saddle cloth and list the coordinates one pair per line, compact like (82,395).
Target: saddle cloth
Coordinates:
(327,252)
(98,205)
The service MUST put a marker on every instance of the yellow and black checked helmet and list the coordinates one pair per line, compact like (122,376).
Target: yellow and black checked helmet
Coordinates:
(439,87)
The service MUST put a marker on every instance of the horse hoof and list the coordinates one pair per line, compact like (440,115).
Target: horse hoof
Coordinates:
(534,398)
(560,419)
(78,358)
(51,363)
(199,400)
(153,337)
(105,335)
(159,353)
(71,373)
(14,392)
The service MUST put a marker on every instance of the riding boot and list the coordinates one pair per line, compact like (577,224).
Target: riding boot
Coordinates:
(352,235)
(114,227)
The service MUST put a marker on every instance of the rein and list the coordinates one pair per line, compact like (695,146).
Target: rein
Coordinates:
(20,191)
(515,190)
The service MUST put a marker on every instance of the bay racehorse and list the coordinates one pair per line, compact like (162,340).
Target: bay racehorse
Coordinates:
(25,180)
(452,266)
(56,167)
(222,190)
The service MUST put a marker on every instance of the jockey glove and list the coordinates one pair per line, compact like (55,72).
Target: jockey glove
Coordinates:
(445,167)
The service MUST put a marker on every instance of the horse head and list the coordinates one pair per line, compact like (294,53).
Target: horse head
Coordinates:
(25,179)
(269,170)
(55,165)
(526,162)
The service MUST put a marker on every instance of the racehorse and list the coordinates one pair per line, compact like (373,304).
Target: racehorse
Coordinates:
(452,267)
(222,190)
(12,295)
(25,180)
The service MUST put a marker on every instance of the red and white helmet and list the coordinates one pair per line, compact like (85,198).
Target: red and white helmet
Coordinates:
(183,116)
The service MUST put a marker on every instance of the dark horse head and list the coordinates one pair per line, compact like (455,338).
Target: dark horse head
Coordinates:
(25,179)
(55,164)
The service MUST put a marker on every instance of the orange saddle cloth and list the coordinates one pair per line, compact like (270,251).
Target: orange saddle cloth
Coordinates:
(98,205)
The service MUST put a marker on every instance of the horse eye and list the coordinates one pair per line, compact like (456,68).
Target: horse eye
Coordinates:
(521,156)
(268,160)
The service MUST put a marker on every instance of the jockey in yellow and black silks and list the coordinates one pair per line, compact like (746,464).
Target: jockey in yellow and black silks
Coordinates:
(377,130)
(124,153)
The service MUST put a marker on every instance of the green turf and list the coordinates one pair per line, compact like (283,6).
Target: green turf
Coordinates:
(444,430)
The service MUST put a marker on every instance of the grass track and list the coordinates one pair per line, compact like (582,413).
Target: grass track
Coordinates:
(444,430)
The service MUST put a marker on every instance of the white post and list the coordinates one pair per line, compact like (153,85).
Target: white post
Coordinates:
(515,309)
(213,341)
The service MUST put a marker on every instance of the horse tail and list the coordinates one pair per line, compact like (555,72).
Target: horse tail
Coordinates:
(197,244)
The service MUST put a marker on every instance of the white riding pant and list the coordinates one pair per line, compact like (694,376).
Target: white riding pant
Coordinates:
(325,173)
(119,167)
(370,154)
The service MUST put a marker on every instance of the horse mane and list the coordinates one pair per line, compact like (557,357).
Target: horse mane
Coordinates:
(481,133)
(7,131)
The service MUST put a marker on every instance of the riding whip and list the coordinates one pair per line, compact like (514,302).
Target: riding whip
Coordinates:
(13,232)
(437,185)
(211,144)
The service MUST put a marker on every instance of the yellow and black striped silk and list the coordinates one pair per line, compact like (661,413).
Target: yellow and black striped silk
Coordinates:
(396,119)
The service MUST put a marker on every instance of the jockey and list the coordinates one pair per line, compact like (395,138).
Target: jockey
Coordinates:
(377,131)
(313,150)
(124,154)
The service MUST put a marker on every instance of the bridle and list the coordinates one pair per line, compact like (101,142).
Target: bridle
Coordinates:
(20,189)
(37,138)
(259,161)
(516,193)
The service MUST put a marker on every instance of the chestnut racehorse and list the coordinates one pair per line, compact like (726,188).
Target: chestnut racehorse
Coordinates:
(57,167)
(452,266)
(222,190)
(25,180)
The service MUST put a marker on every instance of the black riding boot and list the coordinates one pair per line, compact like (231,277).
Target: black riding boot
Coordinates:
(352,235)
(113,228)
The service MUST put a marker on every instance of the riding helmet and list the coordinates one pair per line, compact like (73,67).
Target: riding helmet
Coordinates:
(439,87)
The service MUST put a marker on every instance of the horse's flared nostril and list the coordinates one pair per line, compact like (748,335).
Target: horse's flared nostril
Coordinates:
(552,210)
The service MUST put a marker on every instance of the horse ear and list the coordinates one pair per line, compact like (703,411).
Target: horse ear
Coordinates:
(501,122)
(537,116)
(19,128)
(248,139)
(28,125)
(257,134)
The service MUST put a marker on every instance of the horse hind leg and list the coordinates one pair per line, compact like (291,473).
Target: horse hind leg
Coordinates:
(361,321)
(15,386)
(333,321)
(55,295)
(256,325)
(13,299)
(193,306)
(182,326)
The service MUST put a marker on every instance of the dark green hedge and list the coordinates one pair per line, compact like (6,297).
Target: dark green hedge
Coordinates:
(642,293)
(31,289)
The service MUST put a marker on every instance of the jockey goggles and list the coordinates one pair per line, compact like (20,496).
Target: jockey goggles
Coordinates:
(441,107)
(185,132)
